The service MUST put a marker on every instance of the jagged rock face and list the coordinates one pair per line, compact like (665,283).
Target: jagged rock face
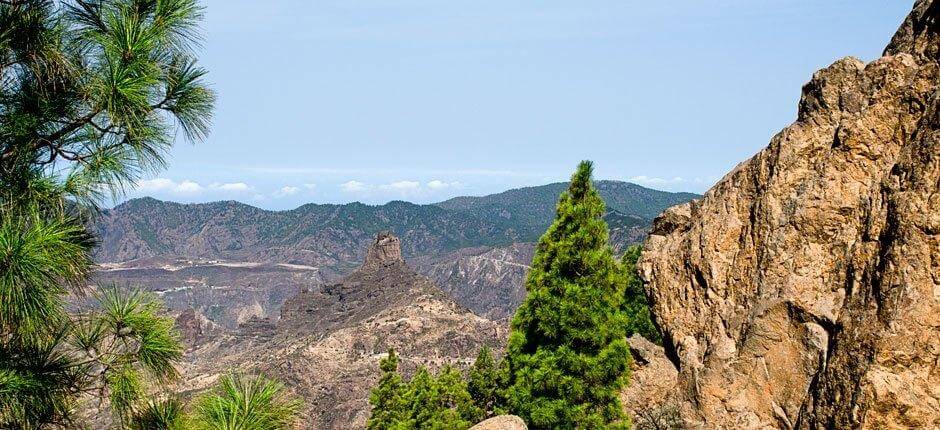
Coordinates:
(803,290)
(327,345)
(650,399)
(385,250)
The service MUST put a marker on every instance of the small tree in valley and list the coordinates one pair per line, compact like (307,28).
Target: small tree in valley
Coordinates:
(388,397)
(483,383)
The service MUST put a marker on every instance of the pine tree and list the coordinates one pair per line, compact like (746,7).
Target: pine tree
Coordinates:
(91,95)
(636,306)
(422,401)
(388,397)
(483,383)
(567,353)
(455,405)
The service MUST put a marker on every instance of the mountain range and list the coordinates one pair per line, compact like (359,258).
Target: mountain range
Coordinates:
(231,261)
(334,235)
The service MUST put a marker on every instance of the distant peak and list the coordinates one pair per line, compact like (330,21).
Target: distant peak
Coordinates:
(385,249)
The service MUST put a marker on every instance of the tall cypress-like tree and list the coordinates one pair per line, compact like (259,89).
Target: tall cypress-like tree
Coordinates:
(567,353)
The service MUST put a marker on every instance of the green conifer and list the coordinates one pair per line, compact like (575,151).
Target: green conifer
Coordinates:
(422,400)
(483,383)
(567,353)
(388,397)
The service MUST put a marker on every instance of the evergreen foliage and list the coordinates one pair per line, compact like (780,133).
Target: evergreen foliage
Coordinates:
(636,306)
(168,414)
(90,91)
(454,403)
(242,402)
(483,383)
(567,353)
(427,401)
(388,397)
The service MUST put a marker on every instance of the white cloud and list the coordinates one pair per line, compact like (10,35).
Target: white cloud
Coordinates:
(189,187)
(402,186)
(232,186)
(440,185)
(353,186)
(652,180)
(164,185)
(286,191)
(155,185)
(310,186)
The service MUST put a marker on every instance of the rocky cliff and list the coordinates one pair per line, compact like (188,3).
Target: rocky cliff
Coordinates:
(803,290)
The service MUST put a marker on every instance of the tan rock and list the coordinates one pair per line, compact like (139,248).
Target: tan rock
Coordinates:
(385,250)
(650,398)
(502,422)
(803,289)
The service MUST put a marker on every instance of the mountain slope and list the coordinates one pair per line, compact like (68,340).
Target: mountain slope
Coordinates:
(327,345)
(230,261)
(531,209)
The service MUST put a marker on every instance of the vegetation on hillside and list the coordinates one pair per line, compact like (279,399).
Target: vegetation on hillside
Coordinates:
(426,401)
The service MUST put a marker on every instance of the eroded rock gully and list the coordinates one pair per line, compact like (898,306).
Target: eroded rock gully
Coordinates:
(803,290)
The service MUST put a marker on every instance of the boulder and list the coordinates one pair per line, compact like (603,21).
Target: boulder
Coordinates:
(502,422)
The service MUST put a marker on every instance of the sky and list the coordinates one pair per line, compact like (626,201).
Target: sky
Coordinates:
(336,101)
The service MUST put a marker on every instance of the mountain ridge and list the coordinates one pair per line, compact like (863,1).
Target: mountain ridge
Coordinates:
(335,234)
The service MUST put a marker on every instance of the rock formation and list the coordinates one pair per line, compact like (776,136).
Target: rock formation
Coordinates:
(650,398)
(386,250)
(189,327)
(502,422)
(803,290)
(328,342)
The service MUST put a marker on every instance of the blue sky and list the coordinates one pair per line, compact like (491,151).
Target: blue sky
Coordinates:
(337,101)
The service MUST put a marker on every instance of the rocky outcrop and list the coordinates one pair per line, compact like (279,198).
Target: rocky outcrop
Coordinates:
(327,345)
(650,399)
(189,326)
(803,290)
(502,422)
(384,251)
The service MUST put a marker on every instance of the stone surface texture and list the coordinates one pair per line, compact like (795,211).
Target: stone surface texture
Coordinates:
(652,386)
(803,289)
(502,422)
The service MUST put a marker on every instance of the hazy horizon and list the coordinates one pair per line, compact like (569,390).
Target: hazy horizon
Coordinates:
(170,200)
(336,102)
